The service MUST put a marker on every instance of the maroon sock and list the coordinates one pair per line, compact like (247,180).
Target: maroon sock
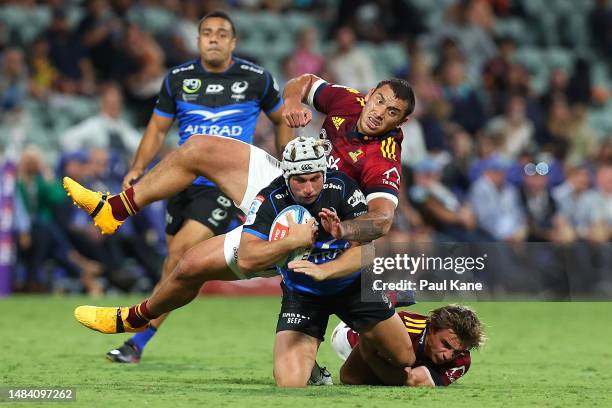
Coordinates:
(123,204)
(139,315)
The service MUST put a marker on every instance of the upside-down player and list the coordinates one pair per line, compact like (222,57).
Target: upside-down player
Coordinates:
(441,341)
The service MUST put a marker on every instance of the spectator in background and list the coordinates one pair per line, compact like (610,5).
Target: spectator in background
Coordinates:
(580,83)
(99,30)
(514,127)
(380,20)
(495,75)
(581,205)
(456,172)
(601,27)
(140,69)
(107,129)
(557,86)
(543,219)
(466,107)
(13,83)
(41,193)
(305,60)
(350,66)
(556,135)
(439,207)
(43,75)
(185,31)
(464,25)
(603,184)
(75,74)
(496,203)
(582,137)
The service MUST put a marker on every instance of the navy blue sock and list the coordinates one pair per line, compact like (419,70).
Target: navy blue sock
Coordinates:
(141,339)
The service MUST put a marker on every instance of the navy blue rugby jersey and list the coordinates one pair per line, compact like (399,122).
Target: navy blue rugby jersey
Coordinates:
(340,193)
(224,104)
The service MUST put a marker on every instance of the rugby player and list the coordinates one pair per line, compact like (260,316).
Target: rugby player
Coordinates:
(308,303)
(364,142)
(216,94)
(441,341)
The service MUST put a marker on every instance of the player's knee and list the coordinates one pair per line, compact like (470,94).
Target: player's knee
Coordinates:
(188,269)
(196,147)
(346,377)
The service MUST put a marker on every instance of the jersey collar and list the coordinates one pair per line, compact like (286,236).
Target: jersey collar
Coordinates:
(357,135)
(231,65)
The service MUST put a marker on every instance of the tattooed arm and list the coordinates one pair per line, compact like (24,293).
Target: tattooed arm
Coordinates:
(367,227)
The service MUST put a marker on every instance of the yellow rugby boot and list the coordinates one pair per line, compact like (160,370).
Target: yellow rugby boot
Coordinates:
(93,203)
(107,320)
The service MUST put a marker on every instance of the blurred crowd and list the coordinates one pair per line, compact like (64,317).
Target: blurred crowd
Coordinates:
(487,156)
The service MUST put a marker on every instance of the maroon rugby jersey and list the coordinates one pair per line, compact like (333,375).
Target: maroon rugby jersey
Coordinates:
(373,162)
(416,326)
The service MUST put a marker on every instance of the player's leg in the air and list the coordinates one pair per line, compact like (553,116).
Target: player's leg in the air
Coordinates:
(222,160)
(205,261)
(189,234)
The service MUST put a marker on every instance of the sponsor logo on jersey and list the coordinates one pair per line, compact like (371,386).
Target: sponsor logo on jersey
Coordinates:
(337,121)
(214,89)
(183,69)
(238,89)
(355,155)
(361,101)
(233,131)
(332,163)
(191,85)
(252,68)
(392,177)
(387,148)
(332,185)
(253,209)
(454,373)
(356,198)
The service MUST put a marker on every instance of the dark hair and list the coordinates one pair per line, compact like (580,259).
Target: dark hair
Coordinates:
(218,14)
(402,90)
(460,319)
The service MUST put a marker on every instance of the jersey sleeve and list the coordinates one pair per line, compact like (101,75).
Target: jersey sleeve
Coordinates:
(354,201)
(331,98)
(270,100)
(165,105)
(445,376)
(382,176)
(260,217)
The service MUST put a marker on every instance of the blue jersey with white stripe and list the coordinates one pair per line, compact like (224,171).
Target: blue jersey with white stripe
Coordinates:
(224,104)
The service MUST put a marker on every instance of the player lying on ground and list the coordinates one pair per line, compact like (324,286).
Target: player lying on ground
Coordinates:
(307,303)
(365,143)
(442,342)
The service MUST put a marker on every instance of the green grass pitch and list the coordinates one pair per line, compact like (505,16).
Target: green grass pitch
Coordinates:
(218,352)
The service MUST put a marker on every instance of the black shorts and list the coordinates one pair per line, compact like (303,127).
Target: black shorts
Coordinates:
(207,205)
(309,314)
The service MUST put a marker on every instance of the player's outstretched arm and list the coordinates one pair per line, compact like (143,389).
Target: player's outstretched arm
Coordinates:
(296,91)
(149,146)
(370,226)
(256,254)
(350,261)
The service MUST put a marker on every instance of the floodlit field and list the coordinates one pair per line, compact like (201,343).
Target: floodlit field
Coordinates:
(217,352)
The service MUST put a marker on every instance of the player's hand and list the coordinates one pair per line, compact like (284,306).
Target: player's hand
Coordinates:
(131,178)
(301,235)
(331,223)
(295,114)
(310,269)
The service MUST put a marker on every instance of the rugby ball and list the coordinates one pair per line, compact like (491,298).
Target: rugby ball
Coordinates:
(280,229)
